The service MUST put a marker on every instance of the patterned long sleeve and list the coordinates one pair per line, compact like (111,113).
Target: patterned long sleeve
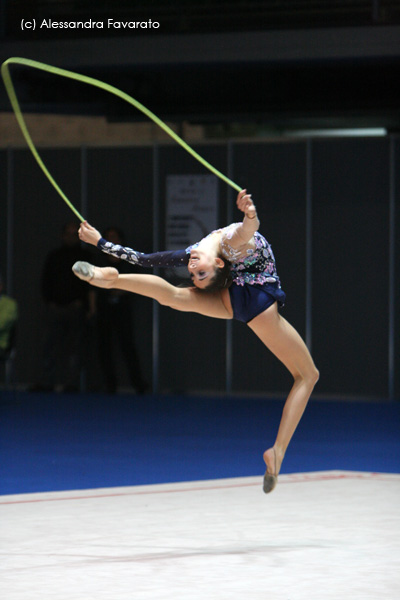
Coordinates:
(168,258)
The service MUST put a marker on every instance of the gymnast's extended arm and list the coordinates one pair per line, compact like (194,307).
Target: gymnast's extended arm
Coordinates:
(173,258)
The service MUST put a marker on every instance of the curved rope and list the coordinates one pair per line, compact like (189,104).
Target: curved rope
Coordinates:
(5,73)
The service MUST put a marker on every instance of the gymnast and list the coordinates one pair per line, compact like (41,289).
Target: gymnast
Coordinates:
(234,275)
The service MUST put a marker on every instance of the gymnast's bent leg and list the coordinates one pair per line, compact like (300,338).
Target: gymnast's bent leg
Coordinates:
(287,345)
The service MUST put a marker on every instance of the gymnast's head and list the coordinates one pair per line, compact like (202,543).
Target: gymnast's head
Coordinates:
(209,272)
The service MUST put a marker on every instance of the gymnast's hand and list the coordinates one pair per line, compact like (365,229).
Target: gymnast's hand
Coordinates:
(89,234)
(245,204)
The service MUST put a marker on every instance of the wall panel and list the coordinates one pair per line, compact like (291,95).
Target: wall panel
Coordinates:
(120,194)
(40,215)
(275,174)
(350,285)
(3,213)
(396,257)
(192,347)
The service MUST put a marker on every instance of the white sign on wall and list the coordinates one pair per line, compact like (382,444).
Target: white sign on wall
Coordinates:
(192,209)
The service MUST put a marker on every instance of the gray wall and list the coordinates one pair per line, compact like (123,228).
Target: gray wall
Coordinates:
(325,207)
(3,211)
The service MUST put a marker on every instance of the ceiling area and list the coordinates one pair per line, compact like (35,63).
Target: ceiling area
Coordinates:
(274,65)
(202,16)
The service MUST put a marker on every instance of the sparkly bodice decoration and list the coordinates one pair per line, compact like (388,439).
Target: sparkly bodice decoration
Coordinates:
(251,262)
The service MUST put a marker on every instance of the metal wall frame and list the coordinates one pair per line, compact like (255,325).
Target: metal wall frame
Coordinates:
(308,207)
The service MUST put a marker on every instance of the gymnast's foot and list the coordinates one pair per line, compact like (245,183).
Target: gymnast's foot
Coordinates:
(273,463)
(103,277)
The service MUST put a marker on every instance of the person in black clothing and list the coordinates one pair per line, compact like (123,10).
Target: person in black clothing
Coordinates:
(68,305)
(115,325)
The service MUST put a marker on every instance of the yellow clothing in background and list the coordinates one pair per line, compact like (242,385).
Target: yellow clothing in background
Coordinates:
(8,317)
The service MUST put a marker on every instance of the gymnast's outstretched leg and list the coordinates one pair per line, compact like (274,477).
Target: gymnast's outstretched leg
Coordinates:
(109,278)
(152,286)
(287,345)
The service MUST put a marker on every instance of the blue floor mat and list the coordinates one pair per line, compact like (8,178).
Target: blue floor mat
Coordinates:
(55,442)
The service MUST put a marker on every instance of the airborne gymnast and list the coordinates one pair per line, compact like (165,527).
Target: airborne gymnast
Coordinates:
(233,272)
(234,276)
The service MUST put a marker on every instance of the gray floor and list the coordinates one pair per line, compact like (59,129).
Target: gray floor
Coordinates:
(324,535)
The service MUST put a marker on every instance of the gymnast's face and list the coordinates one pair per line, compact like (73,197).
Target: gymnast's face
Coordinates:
(202,267)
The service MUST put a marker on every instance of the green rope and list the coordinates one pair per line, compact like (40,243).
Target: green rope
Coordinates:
(104,86)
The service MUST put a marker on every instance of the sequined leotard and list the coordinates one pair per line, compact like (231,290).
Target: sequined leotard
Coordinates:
(252,263)
(256,282)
